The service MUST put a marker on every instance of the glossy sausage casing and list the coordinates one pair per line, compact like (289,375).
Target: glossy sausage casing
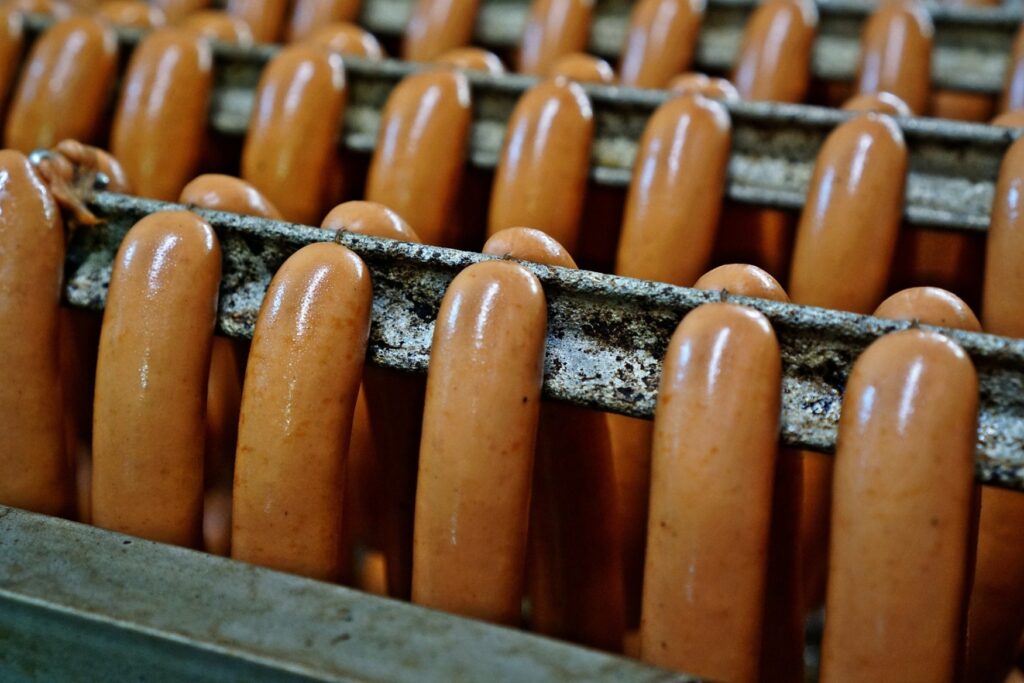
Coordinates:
(160,122)
(436,26)
(660,41)
(583,68)
(369,218)
(347,39)
(542,175)
(150,406)
(896,50)
(1013,86)
(675,196)
(217,25)
(472,59)
(1003,298)
(931,306)
(227,193)
(418,161)
(304,371)
(878,102)
(64,86)
(774,61)
(553,28)
(290,150)
(713,461)
(12,37)
(698,84)
(34,472)
(309,15)
(476,452)
(132,14)
(902,514)
(265,17)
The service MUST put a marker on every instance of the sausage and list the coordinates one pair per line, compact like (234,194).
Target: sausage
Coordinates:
(931,306)
(742,280)
(476,452)
(217,25)
(698,84)
(132,14)
(34,472)
(553,28)
(896,50)
(160,121)
(307,16)
(574,552)
(961,106)
(472,59)
(176,10)
(64,86)
(57,9)
(227,193)
(217,521)
(394,412)
(154,357)
(1010,119)
(1002,310)
(660,41)
(301,382)
(420,153)
(774,61)
(71,170)
(583,68)
(847,232)
(902,514)
(12,41)
(713,460)
(675,197)
(542,174)
(290,151)
(436,26)
(265,17)
(1013,85)
(878,102)
(90,161)
(347,39)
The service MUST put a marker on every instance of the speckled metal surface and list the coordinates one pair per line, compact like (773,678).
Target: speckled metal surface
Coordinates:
(82,604)
(606,335)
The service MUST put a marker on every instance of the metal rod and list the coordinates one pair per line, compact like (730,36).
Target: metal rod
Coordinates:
(606,336)
(83,604)
(950,184)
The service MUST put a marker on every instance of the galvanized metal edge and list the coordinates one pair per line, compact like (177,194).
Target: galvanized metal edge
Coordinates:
(606,336)
(952,169)
(83,604)
(971,46)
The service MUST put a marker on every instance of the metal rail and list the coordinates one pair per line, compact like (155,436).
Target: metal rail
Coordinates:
(79,603)
(607,335)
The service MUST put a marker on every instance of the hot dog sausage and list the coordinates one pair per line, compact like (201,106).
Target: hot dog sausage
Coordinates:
(227,193)
(931,306)
(132,14)
(774,62)
(216,25)
(896,50)
(347,39)
(583,68)
(309,15)
(436,26)
(12,39)
(878,102)
(553,28)
(472,59)
(176,10)
(660,41)
(265,17)
(698,84)
(1013,86)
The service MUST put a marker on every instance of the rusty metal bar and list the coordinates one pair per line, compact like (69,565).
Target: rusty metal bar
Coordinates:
(606,338)
(82,604)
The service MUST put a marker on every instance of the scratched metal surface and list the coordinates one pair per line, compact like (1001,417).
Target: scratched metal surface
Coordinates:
(82,604)
(606,335)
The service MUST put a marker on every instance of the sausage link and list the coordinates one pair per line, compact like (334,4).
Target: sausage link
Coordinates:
(420,154)
(1010,119)
(694,83)
(265,18)
(89,161)
(541,179)
(176,10)
(675,197)
(472,59)
(436,26)
(660,41)
(896,53)
(553,28)
(154,358)
(1002,310)
(290,151)
(34,471)
(742,280)
(300,390)
(878,102)
(1013,85)
(63,89)
(227,193)
(476,453)
(931,306)
(132,14)
(575,553)
(309,15)
(217,25)
(161,116)
(902,514)
(347,39)
(583,68)
(12,41)
(713,461)
(774,61)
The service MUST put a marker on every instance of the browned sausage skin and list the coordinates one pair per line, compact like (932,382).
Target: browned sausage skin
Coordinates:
(553,28)
(661,38)
(437,26)
(476,452)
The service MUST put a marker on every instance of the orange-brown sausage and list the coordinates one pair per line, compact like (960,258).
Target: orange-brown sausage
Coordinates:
(553,28)
(34,471)
(176,10)
(161,117)
(132,14)
(57,9)
(436,26)
(150,406)
(64,86)
(675,197)
(71,170)
(774,61)
(713,460)
(12,40)
(476,453)
(1010,119)
(300,389)
(290,151)
(472,59)
(542,175)
(216,25)
(574,555)
(661,38)
(742,280)
(1002,309)
(1013,86)
(420,154)
(896,51)
(694,83)
(347,39)
(902,512)
(583,68)
(931,306)
(265,18)
(227,193)
(878,102)
(369,218)
(309,15)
